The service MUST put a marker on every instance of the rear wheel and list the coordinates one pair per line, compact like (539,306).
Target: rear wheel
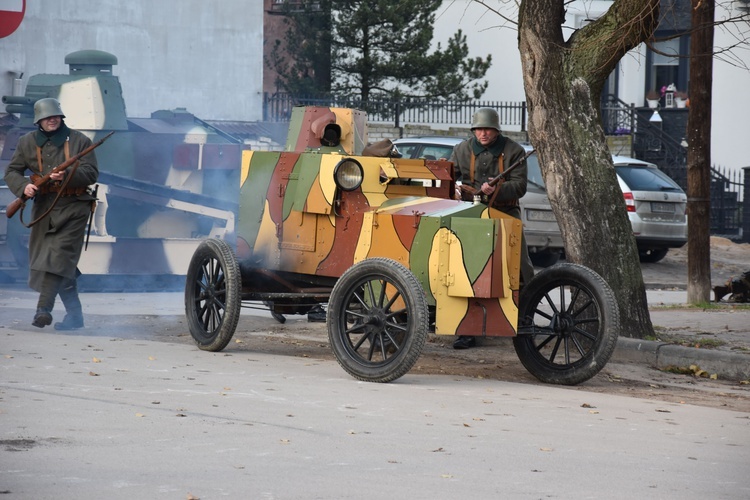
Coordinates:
(653,254)
(377,320)
(212,295)
(568,324)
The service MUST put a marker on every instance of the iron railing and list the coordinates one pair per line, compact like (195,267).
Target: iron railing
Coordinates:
(278,108)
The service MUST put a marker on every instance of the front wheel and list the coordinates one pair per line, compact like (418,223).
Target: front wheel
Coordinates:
(569,322)
(212,295)
(377,320)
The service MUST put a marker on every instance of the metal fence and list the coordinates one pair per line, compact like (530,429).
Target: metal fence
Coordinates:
(278,108)
(727,201)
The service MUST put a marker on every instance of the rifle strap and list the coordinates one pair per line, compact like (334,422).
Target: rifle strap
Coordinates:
(500,170)
(62,187)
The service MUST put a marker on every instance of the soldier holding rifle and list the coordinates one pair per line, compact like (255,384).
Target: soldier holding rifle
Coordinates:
(62,207)
(478,160)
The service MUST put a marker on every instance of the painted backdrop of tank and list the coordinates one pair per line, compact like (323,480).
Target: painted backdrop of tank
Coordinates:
(384,243)
(166,182)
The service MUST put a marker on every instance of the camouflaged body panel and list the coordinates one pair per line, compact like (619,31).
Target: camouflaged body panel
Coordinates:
(293,218)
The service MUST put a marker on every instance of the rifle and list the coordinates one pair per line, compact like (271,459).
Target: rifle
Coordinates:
(18,203)
(468,192)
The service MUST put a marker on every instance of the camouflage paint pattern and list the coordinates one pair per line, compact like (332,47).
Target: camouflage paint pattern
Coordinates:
(293,218)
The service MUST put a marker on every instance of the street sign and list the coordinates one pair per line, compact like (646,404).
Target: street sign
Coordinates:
(11,15)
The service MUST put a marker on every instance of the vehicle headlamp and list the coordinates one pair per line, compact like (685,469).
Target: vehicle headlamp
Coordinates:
(348,174)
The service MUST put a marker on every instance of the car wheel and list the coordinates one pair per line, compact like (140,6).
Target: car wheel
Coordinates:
(377,320)
(653,254)
(568,324)
(212,295)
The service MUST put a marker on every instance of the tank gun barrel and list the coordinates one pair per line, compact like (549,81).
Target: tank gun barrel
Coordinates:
(19,99)
(20,109)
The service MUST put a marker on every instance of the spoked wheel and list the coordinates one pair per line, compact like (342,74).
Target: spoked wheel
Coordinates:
(568,324)
(377,320)
(212,295)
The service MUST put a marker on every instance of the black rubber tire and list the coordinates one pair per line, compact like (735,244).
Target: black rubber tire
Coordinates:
(370,340)
(545,258)
(568,324)
(652,255)
(213,295)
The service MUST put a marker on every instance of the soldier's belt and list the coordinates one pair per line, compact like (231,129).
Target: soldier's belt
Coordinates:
(53,188)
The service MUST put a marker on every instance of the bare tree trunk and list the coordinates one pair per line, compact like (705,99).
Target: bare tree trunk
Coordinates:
(699,153)
(563,82)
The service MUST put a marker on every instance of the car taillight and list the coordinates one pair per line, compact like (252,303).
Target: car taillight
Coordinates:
(629,201)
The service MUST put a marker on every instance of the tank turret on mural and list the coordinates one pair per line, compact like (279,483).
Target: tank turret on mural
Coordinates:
(162,186)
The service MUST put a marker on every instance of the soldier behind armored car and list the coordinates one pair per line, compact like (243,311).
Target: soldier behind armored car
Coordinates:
(479,159)
(60,212)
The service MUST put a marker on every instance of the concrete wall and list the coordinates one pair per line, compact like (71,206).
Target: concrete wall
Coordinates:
(201,55)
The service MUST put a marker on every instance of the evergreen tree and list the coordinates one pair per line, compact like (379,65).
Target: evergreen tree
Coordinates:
(378,48)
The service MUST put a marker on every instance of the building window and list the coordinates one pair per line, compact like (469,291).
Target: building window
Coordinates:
(669,65)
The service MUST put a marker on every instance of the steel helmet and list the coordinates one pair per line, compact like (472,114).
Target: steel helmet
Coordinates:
(44,108)
(486,118)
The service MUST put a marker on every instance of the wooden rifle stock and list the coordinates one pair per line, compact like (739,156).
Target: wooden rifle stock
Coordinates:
(468,192)
(16,204)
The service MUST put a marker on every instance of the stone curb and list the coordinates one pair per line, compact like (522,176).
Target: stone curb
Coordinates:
(660,355)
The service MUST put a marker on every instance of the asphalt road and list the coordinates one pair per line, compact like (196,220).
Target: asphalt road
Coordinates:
(90,416)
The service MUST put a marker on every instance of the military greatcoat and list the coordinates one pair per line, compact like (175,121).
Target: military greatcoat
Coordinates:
(56,241)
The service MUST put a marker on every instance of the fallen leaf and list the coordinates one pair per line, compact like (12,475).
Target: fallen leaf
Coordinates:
(586,405)
(446,476)
(237,341)
(284,441)
(139,415)
(594,412)
(191,497)
(714,376)
(96,360)
(545,449)
(151,358)
(93,374)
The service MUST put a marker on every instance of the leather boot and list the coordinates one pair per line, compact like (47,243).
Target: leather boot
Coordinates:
(71,321)
(74,313)
(42,318)
(50,285)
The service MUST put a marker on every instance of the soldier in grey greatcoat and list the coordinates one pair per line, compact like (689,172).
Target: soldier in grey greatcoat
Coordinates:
(62,207)
(482,157)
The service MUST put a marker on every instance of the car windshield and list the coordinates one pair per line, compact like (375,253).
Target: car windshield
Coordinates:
(640,178)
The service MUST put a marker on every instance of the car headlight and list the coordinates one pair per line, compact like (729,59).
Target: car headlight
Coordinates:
(348,174)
